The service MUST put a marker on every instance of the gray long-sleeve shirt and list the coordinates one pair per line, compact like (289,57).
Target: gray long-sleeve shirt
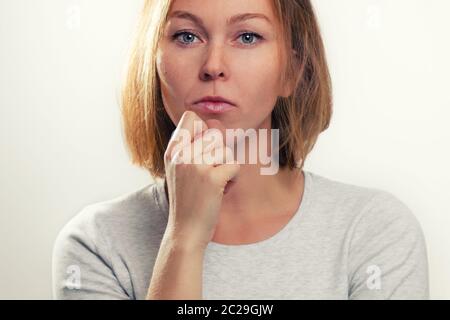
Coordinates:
(344,242)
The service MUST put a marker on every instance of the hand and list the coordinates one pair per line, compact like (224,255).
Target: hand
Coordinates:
(195,185)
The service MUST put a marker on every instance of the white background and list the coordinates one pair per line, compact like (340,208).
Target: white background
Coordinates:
(62,147)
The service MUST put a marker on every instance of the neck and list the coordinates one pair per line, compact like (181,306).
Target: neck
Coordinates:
(254,195)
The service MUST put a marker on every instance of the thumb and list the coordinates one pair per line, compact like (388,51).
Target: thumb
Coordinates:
(226,172)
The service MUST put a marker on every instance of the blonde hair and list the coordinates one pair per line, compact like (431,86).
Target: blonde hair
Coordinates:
(300,118)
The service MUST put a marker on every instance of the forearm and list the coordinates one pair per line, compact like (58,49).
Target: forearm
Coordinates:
(177,273)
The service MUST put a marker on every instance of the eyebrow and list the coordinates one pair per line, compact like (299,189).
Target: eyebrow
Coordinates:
(232,20)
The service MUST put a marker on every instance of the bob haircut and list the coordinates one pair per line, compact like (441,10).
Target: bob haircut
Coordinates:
(300,118)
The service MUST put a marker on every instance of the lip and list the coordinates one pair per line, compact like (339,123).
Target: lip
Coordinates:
(215,99)
(212,107)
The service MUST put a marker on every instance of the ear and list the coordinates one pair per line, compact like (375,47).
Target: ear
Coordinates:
(289,86)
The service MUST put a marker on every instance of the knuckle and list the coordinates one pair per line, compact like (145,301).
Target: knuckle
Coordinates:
(167,155)
(189,115)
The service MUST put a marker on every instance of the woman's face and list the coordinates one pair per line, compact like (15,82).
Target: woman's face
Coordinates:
(208,56)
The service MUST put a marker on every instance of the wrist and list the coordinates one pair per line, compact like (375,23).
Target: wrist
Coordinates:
(182,243)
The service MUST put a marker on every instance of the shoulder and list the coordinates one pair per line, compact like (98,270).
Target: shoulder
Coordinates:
(127,213)
(387,220)
(338,193)
(91,251)
(369,218)
(383,243)
(361,207)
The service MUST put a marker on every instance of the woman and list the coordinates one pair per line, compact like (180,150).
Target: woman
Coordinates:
(221,229)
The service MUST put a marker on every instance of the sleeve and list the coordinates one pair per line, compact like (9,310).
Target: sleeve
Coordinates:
(387,253)
(81,269)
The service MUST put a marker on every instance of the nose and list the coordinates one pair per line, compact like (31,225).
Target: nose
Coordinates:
(214,67)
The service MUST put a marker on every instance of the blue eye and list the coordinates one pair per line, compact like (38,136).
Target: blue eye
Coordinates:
(189,37)
(185,36)
(250,36)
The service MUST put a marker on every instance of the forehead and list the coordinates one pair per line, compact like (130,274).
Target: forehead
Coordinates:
(228,11)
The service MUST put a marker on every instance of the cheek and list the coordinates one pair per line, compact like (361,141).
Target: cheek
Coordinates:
(260,86)
(167,67)
(173,86)
(174,67)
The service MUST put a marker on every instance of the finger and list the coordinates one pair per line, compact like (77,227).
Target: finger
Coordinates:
(211,139)
(226,172)
(214,123)
(192,153)
(189,127)
(217,156)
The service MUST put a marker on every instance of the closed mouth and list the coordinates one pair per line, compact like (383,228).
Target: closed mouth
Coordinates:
(213,106)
